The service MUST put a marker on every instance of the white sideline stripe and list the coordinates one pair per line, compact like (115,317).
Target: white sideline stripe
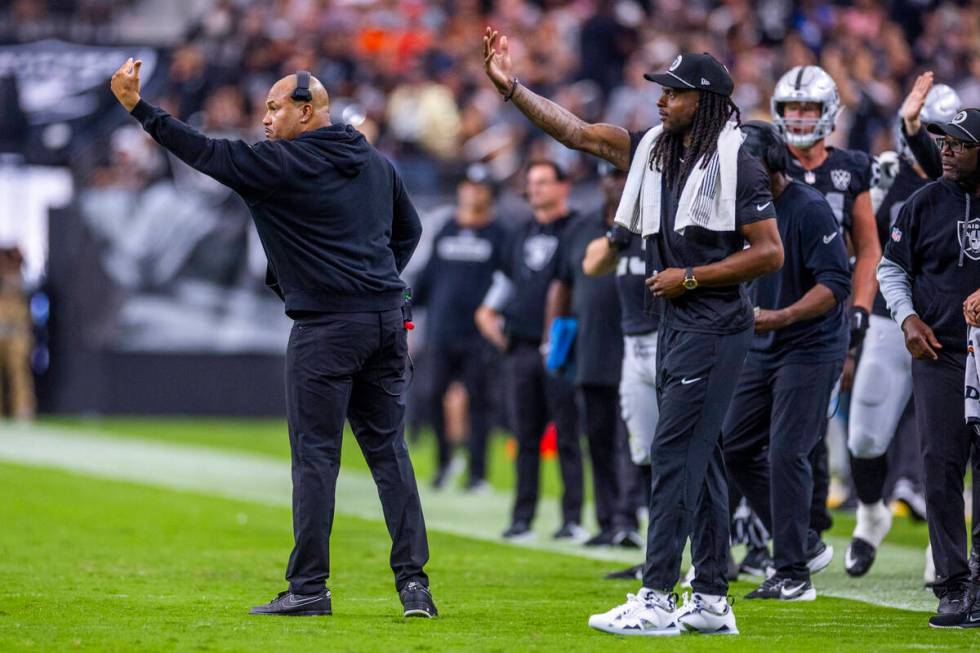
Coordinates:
(262,479)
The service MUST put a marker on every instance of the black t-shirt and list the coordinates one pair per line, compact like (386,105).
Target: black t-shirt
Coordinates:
(906,182)
(639,309)
(456,277)
(530,263)
(936,240)
(599,342)
(841,178)
(814,252)
(723,309)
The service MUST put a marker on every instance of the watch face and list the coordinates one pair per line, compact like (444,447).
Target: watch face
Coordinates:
(690,284)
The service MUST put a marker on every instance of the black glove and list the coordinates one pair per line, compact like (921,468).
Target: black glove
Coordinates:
(619,237)
(859,326)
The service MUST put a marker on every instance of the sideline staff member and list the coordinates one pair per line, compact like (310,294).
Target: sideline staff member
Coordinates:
(338,227)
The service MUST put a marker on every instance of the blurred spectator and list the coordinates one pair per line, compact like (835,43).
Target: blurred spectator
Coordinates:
(16,380)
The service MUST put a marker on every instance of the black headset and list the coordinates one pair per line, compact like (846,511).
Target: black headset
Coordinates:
(762,140)
(302,91)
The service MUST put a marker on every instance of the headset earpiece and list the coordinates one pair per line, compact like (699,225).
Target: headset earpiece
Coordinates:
(302,91)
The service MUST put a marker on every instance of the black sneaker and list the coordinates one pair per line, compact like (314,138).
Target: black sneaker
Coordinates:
(519,531)
(287,604)
(784,588)
(417,601)
(756,561)
(858,557)
(971,619)
(602,538)
(571,531)
(953,608)
(630,573)
(628,539)
(818,555)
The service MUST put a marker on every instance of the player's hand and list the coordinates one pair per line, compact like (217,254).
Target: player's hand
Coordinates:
(667,283)
(767,320)
(859,326)
(914,101)
(496,62)
(971,309)
(125,83)
(919,339)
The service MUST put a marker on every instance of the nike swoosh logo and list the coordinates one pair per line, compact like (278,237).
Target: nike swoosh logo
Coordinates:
(762,207)
(291,601)
(790,594)
(848,558)
(827,239)
(686,381)
(974,617)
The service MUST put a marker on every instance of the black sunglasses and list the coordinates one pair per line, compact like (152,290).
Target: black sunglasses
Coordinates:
(954,145)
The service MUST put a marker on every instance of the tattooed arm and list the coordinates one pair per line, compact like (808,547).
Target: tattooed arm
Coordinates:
(609,142)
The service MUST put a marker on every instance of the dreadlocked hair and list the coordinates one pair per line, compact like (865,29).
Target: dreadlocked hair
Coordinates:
(712,113)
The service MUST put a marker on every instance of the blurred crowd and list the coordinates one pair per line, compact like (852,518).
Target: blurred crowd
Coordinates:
(409,73)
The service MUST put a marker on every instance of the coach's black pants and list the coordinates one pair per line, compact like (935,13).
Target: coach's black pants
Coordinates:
(349,365)
(607,447)
(937,389)
(538,398)
(466,360)
(696,376)
(772,426)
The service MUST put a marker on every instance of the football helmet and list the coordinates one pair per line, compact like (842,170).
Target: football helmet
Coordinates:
(805,84)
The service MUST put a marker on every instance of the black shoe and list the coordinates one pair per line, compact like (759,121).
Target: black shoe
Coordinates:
(628,539)
(630,573)
(819,555)
(756,561)
(287,604)
(784,588)
(858,557)
(953,608)
(519,531)
(570,531)
(971,618)
(417,601)
(602,538)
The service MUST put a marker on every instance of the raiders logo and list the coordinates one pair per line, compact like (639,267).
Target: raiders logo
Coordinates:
(969,234)
(841,179)
(677,62)
(538,251)
(958,118)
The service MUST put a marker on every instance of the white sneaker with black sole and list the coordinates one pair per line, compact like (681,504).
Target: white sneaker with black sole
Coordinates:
(872,525)
(647,613)
(784,588)
(708,615)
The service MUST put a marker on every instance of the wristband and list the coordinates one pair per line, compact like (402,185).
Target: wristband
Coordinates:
(513,87)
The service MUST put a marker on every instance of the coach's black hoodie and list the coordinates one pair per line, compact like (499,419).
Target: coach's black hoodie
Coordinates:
(333,215)
(936,240)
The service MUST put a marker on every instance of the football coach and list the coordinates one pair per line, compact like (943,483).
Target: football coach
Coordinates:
(338,227)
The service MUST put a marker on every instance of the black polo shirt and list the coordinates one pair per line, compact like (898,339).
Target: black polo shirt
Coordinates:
(639,310)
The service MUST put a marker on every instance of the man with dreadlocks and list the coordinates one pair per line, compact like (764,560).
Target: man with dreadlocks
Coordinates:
(698,198)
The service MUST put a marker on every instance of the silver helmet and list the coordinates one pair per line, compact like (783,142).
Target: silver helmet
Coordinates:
(805,84)
(942,103)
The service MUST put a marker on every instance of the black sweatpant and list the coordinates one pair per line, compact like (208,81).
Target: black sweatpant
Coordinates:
(467,360)
(937,389)
(771,429)
(349,365)
(538,398)
(606,436)
(696,376)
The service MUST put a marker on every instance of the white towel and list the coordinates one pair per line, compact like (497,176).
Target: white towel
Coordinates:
(708,197)
(971,391)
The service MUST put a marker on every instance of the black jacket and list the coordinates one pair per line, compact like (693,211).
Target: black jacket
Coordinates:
(333,215)
(924,149)
(936,240)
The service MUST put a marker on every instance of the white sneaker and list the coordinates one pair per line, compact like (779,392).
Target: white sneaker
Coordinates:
(648,613)
(689,577)
(708,615)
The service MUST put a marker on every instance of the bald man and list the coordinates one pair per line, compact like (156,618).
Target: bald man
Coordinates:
(338,228)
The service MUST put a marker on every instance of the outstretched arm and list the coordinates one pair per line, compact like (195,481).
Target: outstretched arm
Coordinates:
(253,172)
(922,146)
(609,142)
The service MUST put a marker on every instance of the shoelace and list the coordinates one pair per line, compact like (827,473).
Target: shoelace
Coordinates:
(701,605)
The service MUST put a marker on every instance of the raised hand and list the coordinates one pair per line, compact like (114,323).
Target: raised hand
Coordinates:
(125,83)
(914,101)
(496,63)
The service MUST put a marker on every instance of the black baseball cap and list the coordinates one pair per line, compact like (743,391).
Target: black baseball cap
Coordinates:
(964,126)
(696,71)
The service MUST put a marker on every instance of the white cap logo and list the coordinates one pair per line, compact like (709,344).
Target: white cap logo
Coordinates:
(958,118)
(676,63)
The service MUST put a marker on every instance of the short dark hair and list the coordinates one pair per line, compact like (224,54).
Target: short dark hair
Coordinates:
(559,171)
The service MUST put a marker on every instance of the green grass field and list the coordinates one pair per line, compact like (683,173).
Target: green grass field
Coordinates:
(170,554)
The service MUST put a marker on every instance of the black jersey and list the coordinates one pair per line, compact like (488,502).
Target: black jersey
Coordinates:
(841,178)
